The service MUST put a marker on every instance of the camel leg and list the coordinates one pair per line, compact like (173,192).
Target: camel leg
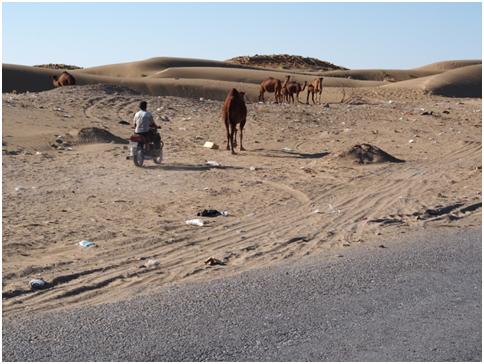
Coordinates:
(307,98)
(261,96)
(242,123)
(312,97)
(228,133)
(235,136)
(232,132)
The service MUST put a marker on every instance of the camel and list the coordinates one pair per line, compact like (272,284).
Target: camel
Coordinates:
(310,92)
(65,79)
(318,88)
(294,87)
(271,85)
(234,112)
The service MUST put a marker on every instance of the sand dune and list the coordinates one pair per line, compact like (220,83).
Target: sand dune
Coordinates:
(152,65)
(196,82)
(195,78)
(459,82)
(443,66)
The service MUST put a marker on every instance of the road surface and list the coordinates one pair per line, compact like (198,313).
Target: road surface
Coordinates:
(416,299)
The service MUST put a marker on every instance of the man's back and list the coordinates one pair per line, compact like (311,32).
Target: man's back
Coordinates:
(143,121)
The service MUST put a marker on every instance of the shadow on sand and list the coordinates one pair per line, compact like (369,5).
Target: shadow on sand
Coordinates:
(273,153)
(188,167)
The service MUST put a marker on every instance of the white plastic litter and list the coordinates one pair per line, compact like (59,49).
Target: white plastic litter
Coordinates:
(86,244)
(195,222)
(213,164)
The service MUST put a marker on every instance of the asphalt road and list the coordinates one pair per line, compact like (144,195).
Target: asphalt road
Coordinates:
(418,299)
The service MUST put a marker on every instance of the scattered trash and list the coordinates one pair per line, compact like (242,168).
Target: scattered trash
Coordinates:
(427,113)
(446,112)
(213,164)
(86,244)
(316,211)
(38,284)
(381,246)
(286,149)
(212,213)
(202,99)
(211,145)
(151,263)
(160,108)
(195,222)
(390,101)
(20,188)
(123,122)
(186,119)
(164,118)
(67,116)
(38,153)
(214,261)
(252,168)
(411,141)
(57,108)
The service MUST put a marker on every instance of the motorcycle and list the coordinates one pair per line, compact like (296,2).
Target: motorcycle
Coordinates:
(140,150)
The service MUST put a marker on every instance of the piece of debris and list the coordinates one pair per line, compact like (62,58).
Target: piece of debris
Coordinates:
(164,118)
(20,188)
(186,119)
(212,213)
(286,149)
(195,222)
(381,246)
(446,112)
(211,145)
(38,283)
(411,141)
(57,108)
(202,99)
(151,263)
(86,244)
(214,261)
(252,168)
(213,164)
(427,113)
(123,122)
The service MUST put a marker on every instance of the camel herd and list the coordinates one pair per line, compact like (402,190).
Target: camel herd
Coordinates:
(285,91)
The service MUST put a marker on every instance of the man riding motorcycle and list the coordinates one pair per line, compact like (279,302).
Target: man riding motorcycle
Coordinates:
(145,125)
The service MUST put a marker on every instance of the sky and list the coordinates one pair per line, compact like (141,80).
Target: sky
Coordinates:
(352,35)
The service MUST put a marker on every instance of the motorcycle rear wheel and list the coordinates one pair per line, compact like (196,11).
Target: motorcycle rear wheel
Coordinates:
(139,157)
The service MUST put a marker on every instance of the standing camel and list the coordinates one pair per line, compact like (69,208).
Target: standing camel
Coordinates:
(294,87)
(271,85)
(234,112)
(318,88)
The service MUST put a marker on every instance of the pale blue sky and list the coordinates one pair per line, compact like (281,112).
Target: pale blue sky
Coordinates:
(354,35)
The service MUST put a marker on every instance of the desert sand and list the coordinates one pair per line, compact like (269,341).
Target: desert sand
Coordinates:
(307,183)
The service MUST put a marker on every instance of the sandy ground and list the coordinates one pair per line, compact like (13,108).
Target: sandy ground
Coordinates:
(302,198)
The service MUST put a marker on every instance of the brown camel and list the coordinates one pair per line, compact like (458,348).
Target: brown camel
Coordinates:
(294,87)
(318,88)
(65,79)
(271,85)
(234,112)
